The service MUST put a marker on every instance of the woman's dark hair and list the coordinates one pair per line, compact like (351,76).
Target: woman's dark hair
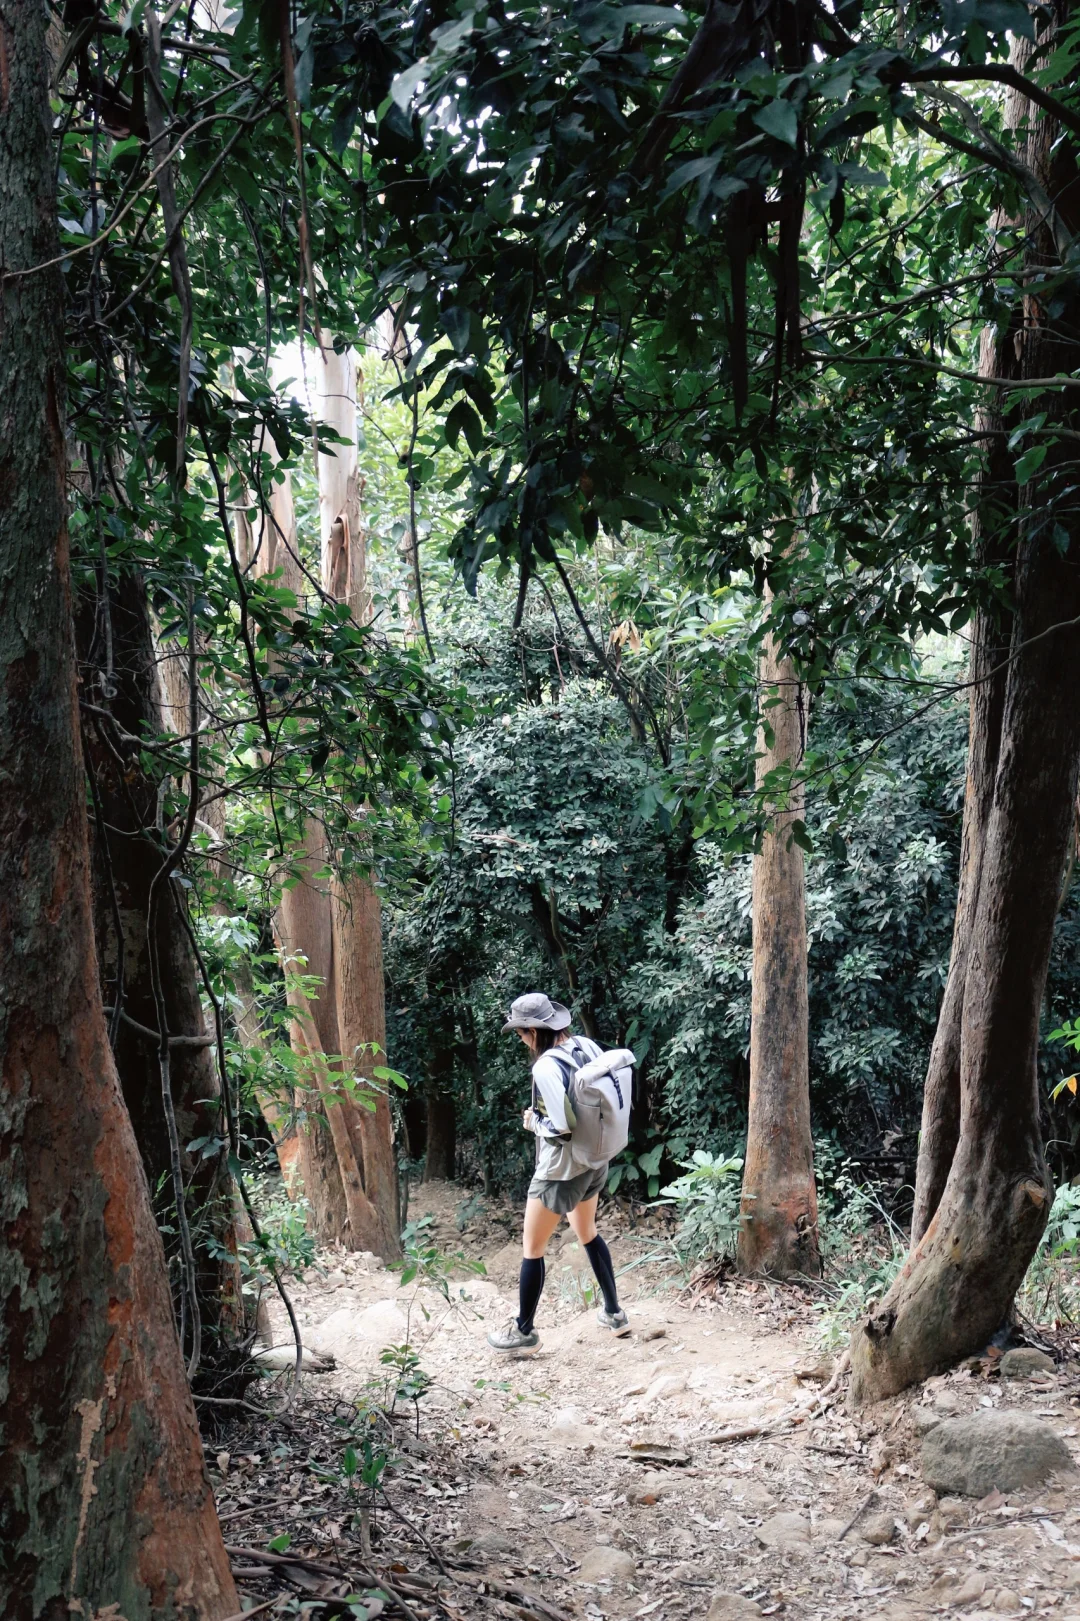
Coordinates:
(545,1039)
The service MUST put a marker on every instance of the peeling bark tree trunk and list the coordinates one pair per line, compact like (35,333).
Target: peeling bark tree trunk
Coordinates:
(355,911)
(959,1279)
(302,925)
(106,1504)
(126,855)
(346,1155)
(778,1233)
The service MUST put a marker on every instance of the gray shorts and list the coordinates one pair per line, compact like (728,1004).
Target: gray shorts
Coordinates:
(562,1197)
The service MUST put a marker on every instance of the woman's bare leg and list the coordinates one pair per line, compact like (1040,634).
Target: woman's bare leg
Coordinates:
(583,1219)
(540,1223)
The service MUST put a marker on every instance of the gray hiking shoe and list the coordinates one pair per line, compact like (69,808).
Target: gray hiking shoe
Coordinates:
(511,1338)
(617,1321)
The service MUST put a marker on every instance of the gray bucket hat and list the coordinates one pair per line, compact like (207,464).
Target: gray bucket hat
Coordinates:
(535,1011)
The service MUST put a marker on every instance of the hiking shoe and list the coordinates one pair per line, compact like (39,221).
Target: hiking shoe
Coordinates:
(511,1338)
(617,1321)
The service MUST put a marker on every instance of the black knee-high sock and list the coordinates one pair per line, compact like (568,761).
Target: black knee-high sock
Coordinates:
(600,1261)
(530,1288)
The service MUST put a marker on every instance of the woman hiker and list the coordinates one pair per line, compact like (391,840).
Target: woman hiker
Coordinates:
(560,1187)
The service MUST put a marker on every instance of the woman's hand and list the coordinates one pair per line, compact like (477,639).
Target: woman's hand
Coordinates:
(528,1120)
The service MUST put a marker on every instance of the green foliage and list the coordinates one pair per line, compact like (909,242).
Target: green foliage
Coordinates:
(429,1264)
(1051,1287)
(1069,1033)
(586,406)
(284,1246)
(707,1199)
(862,1243)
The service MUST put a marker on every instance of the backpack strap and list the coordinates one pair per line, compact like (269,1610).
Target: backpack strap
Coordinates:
(575,1059)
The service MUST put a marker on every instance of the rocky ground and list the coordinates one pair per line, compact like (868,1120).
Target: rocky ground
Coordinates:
(705,1466)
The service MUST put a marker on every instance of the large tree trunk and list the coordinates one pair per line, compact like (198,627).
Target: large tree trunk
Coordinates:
(127,853)
(302,925)
(959,1279)
(993,525)
(106,1503)
(355,911)
(778,1233)
(346,1154)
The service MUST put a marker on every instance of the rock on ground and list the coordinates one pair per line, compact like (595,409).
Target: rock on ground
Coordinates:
(1025,1362)
(607,1565)
(878,1529)
(972,1455)
(788,1532)
(732,1607)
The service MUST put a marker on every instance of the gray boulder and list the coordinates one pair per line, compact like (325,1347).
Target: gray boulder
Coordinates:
(1008,1450)
(1025,1362)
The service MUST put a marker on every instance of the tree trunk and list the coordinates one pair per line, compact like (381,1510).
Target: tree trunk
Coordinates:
(441,1156)
(778,1233)
(959,1279)
(106,1503)
(940,1129)
(993,522)
(127,852)
(355,911)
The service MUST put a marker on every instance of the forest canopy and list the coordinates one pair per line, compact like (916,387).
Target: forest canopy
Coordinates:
(574,498)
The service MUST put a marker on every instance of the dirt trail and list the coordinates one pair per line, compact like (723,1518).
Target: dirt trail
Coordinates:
(826,1518)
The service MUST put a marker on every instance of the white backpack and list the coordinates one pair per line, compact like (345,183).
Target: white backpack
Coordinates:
(599,1092)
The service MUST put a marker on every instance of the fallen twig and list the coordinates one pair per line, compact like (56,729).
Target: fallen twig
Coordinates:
(797,1413)
(254,1508)
(871,1497)
(517,1595)
(242,1615)
(416,1531)
(371,1578)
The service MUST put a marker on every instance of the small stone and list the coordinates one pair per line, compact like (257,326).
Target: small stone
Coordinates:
(829,1530)
(944,1583)
(859,1558)
(1008,1450)
(655,1485)
(946,1401)
(924,1419)
(971,1588)
(1025,1362)
(606,1564)
(919,1508)
(669,1384)
(789,1533)
(752,1494)
(878,1529)
(335,1279)
(654,1333)
(732,1607)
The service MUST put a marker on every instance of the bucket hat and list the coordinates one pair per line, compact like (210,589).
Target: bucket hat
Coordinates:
(535,1011)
